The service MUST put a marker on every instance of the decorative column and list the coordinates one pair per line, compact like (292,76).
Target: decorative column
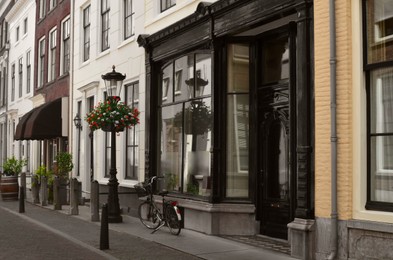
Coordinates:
(301,230)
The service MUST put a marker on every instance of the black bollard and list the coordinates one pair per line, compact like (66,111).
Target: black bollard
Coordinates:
(104,235)
(21,200)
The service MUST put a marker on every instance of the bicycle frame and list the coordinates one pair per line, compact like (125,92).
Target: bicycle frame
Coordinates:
(172,218)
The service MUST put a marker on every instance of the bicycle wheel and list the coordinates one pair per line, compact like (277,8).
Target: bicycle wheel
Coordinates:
(148,215)
(172,220)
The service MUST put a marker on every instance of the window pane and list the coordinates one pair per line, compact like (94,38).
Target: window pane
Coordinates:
(379,30)
(197,133)
(238,68)
(181,74)
(381,101)
(237,175)
(167,84)
(381,183)
(203,75)
(189,75)
(171,148)
(275,61)
(237,146)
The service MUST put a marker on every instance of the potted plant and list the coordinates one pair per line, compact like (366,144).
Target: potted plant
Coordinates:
(9,187)
(63,164)
(62,167)
(42,174)
(112,115)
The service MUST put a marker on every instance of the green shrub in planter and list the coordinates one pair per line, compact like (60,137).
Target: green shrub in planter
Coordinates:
(13,166)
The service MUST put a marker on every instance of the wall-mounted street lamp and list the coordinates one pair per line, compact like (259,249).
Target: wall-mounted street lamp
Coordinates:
(113,83)
(78,125)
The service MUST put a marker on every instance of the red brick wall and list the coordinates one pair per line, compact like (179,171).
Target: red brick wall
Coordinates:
(60,86)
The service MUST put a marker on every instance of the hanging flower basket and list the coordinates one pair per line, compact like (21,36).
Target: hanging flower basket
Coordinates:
(112,115)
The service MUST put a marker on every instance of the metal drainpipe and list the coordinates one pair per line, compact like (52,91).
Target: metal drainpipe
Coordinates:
(333,128)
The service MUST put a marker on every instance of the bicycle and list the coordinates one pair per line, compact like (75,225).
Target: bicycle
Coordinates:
(151,215)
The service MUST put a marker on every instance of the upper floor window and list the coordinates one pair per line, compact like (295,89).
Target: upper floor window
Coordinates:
(5,31)
(2,90)
(132,140)
(86,33)
(128,19)
(42,9)
(3,100)
(13,82)
(1,34)
(52,4)
(41,62)
(28,72)
(52,55)
(20,78)
(105,25)
(25,24)
(378,67)
(66,46)
(17,34)
(166,4)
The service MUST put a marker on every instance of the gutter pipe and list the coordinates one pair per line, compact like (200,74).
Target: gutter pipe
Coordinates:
(333,129)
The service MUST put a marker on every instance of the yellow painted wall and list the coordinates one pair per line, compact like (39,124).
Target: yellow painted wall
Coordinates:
(322,108)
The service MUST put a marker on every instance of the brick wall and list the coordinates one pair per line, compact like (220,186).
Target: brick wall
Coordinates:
(60,86)
(322,109)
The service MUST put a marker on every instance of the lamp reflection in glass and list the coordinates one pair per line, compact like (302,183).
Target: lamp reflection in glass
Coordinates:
(199,83)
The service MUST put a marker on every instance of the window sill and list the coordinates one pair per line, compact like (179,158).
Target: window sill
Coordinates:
(104,53)
(169,11)
(126,42)
(84,64)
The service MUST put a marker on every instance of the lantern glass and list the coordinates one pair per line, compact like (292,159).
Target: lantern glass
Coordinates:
(113,82)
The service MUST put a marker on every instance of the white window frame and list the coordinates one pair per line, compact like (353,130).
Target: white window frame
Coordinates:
(28,71)
(17,34)
(41,62)
(52,52)
(102,14)
(42,8)
(52,4)
(13,71)
(65,35)
(85,26)
(20,76)
(130,16)
(25,25)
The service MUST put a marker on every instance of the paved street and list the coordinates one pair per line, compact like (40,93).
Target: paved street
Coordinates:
(21,239)
(38,234)
(43,233)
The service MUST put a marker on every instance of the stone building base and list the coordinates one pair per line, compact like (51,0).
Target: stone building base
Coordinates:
(301,237)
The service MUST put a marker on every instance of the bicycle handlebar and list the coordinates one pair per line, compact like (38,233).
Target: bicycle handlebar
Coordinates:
(151,180)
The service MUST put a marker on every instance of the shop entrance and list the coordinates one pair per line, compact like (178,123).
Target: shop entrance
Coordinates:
(274,135)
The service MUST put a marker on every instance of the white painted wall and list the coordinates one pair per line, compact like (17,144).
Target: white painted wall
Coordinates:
(128,58)
(19,49)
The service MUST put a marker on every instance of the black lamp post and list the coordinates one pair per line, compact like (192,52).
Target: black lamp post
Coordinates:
(78,125)
(113,83)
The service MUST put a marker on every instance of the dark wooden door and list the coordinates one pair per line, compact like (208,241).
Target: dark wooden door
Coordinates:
(273,135)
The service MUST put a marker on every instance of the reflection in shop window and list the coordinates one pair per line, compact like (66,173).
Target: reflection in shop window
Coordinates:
(237,166)
(382,135)
(186,126)
(380,30)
